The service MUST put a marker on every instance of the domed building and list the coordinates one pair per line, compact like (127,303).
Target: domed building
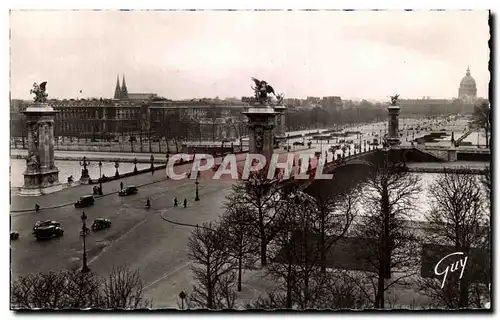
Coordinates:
(467,91)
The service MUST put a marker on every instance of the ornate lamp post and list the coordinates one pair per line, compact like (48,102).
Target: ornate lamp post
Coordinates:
(197,197)
(117,165)
(85,171)
(100,177)
(85,268)
(152,159)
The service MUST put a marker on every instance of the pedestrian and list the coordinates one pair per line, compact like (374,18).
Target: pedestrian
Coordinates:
(185,203)
(175,202)
(37,207)
(121,185)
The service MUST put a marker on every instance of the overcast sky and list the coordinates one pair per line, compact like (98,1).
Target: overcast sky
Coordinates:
(179,55)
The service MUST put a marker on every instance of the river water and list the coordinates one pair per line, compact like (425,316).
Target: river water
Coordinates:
(71,168)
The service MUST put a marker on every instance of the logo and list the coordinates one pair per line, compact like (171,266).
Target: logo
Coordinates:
(252,163)
(451,268)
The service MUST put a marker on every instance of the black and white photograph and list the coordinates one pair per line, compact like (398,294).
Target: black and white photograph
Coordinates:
(250,160)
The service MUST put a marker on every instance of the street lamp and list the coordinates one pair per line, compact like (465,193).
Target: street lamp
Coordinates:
(84,164)
(182,295)
(197,197)
(100,177)
(152,159)
(85,268)
(135,164)
(117,165)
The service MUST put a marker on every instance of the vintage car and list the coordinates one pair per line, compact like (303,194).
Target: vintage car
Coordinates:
(100,224)
(14,235)
(128,191)
(48,232)
(85,201)
(298,143)
(45,223)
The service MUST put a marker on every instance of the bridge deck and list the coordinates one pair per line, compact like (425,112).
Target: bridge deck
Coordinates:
(441,167)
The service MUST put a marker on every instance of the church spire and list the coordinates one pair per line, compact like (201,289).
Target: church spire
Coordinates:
(117,88)
(468,71)
(124,93)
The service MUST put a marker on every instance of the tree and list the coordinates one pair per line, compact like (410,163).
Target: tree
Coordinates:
(294,253)
(482,117)
(459,220)
(241,246)
(120,289)
(389,202)
(257,196)
(212,266)
(335,210)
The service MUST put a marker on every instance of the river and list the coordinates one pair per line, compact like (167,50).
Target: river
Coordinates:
(71,168)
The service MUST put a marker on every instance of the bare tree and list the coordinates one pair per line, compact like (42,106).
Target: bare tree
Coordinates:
(258,195)
(335,213)
(211,265)
(241,245)
(121,289)
(459,220)
(482,117)
(297,263)
(341,292)
(273,300)
(389,202)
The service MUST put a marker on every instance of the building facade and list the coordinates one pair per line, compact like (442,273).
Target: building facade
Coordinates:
(110,119)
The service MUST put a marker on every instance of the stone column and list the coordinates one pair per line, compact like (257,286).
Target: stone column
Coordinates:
(452,154)
(261,122)
(393,131)
(41,175)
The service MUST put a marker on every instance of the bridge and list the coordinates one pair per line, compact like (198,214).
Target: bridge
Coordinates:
(415,159)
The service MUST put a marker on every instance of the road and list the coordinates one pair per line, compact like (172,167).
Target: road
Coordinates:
(138,237)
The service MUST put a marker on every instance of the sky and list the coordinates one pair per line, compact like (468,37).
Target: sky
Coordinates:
(193,54)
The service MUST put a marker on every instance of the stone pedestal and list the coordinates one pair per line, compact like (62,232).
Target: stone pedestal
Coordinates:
(452,154)
(41,175)
(279,123)
(393,133)
(261,121)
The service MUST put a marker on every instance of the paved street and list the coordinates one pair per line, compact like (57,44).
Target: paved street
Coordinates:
(138,237)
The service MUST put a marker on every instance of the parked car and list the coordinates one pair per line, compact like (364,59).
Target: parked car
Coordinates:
(48,232)
(128,191)
(100,224)
(298,143)
(45,223)
(85,201)
(14,235)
